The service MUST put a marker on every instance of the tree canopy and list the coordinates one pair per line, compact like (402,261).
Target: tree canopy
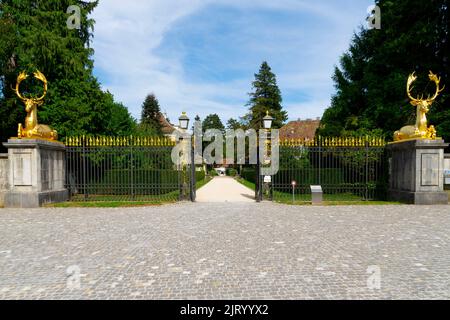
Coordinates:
(34,36)
(213,121)
(371,79)
(266,96)
(150,116)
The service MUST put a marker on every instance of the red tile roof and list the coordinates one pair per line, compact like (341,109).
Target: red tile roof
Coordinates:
(166,127)
(301,129)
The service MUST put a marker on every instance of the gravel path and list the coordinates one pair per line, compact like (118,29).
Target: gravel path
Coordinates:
(225,189)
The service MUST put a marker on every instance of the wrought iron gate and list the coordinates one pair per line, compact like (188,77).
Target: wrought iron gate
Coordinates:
(138,169)
(347,169)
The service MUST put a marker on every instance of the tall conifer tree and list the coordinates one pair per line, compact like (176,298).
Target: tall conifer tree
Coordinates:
(266,96)
(34,35)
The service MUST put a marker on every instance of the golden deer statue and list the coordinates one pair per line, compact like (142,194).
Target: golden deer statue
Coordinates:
(32,128)
(420,130)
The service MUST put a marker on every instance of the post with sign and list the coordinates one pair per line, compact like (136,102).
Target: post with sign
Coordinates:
(316,195)
(294,183)
(268,187)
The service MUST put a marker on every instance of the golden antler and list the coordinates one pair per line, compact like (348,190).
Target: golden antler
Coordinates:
(22,76)
(437,81)
(38,75)
(412,78)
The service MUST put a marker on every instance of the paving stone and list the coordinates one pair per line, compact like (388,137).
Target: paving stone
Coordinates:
(226,251)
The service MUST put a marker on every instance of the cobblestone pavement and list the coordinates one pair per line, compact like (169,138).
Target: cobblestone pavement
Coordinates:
(226,251)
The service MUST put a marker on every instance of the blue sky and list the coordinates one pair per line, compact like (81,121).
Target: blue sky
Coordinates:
(200,56)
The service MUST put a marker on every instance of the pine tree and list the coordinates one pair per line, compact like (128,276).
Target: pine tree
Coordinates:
(150,116)
(213,121)
(266,96)
(234,124)
(35,36)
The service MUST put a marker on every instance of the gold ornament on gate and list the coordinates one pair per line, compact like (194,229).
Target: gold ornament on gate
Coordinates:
(33,130)
(420,130)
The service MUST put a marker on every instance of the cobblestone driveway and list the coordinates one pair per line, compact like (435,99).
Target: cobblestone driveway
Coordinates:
(225,251)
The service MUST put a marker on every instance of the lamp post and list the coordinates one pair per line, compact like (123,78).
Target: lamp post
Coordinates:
(267,125)
(294,184)
(184,125)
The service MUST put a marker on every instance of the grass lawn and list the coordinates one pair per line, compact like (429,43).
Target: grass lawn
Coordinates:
(201,184)
(103,204)
(246,183)
(100,201)
(329,199)
(343,203)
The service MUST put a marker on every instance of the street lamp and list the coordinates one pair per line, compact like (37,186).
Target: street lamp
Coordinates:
(184,121)
(267,121)
(184,125)
(267,124)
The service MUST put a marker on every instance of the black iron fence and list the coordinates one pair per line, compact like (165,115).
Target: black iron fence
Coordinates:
(122,169)
(347,169)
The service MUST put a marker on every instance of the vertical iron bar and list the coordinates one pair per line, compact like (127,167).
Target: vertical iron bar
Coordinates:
(367,169)
(83,150)
(132,171)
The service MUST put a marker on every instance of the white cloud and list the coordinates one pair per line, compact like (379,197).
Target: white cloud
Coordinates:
(127,35)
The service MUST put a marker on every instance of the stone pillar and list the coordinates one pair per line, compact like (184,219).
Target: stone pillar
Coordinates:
(417,172)
(36,173)
(4,177)
(447,171)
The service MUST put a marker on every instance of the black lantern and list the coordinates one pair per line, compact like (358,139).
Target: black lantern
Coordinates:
(184,121)
(267,121)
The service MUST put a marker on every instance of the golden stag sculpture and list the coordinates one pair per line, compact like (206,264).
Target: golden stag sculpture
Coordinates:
(32,128)
(420,130)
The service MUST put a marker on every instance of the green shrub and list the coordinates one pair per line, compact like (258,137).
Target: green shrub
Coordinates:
(231,172)
(200,175)
(249,174)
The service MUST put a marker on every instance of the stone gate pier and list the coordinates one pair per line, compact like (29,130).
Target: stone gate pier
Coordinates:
(4,174)
(417,172)
(36,173)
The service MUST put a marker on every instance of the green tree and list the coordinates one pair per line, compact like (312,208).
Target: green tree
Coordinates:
(266,96)
(151,114)
(234,124)
(34,35)
(213,121)
(371,80)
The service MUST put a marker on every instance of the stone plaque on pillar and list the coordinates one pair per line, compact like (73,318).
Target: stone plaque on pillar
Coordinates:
(36,173)
(417,172)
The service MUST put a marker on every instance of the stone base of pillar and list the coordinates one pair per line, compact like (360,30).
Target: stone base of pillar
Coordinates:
(34,199)
(417,172)
(36,173)
(419,198)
